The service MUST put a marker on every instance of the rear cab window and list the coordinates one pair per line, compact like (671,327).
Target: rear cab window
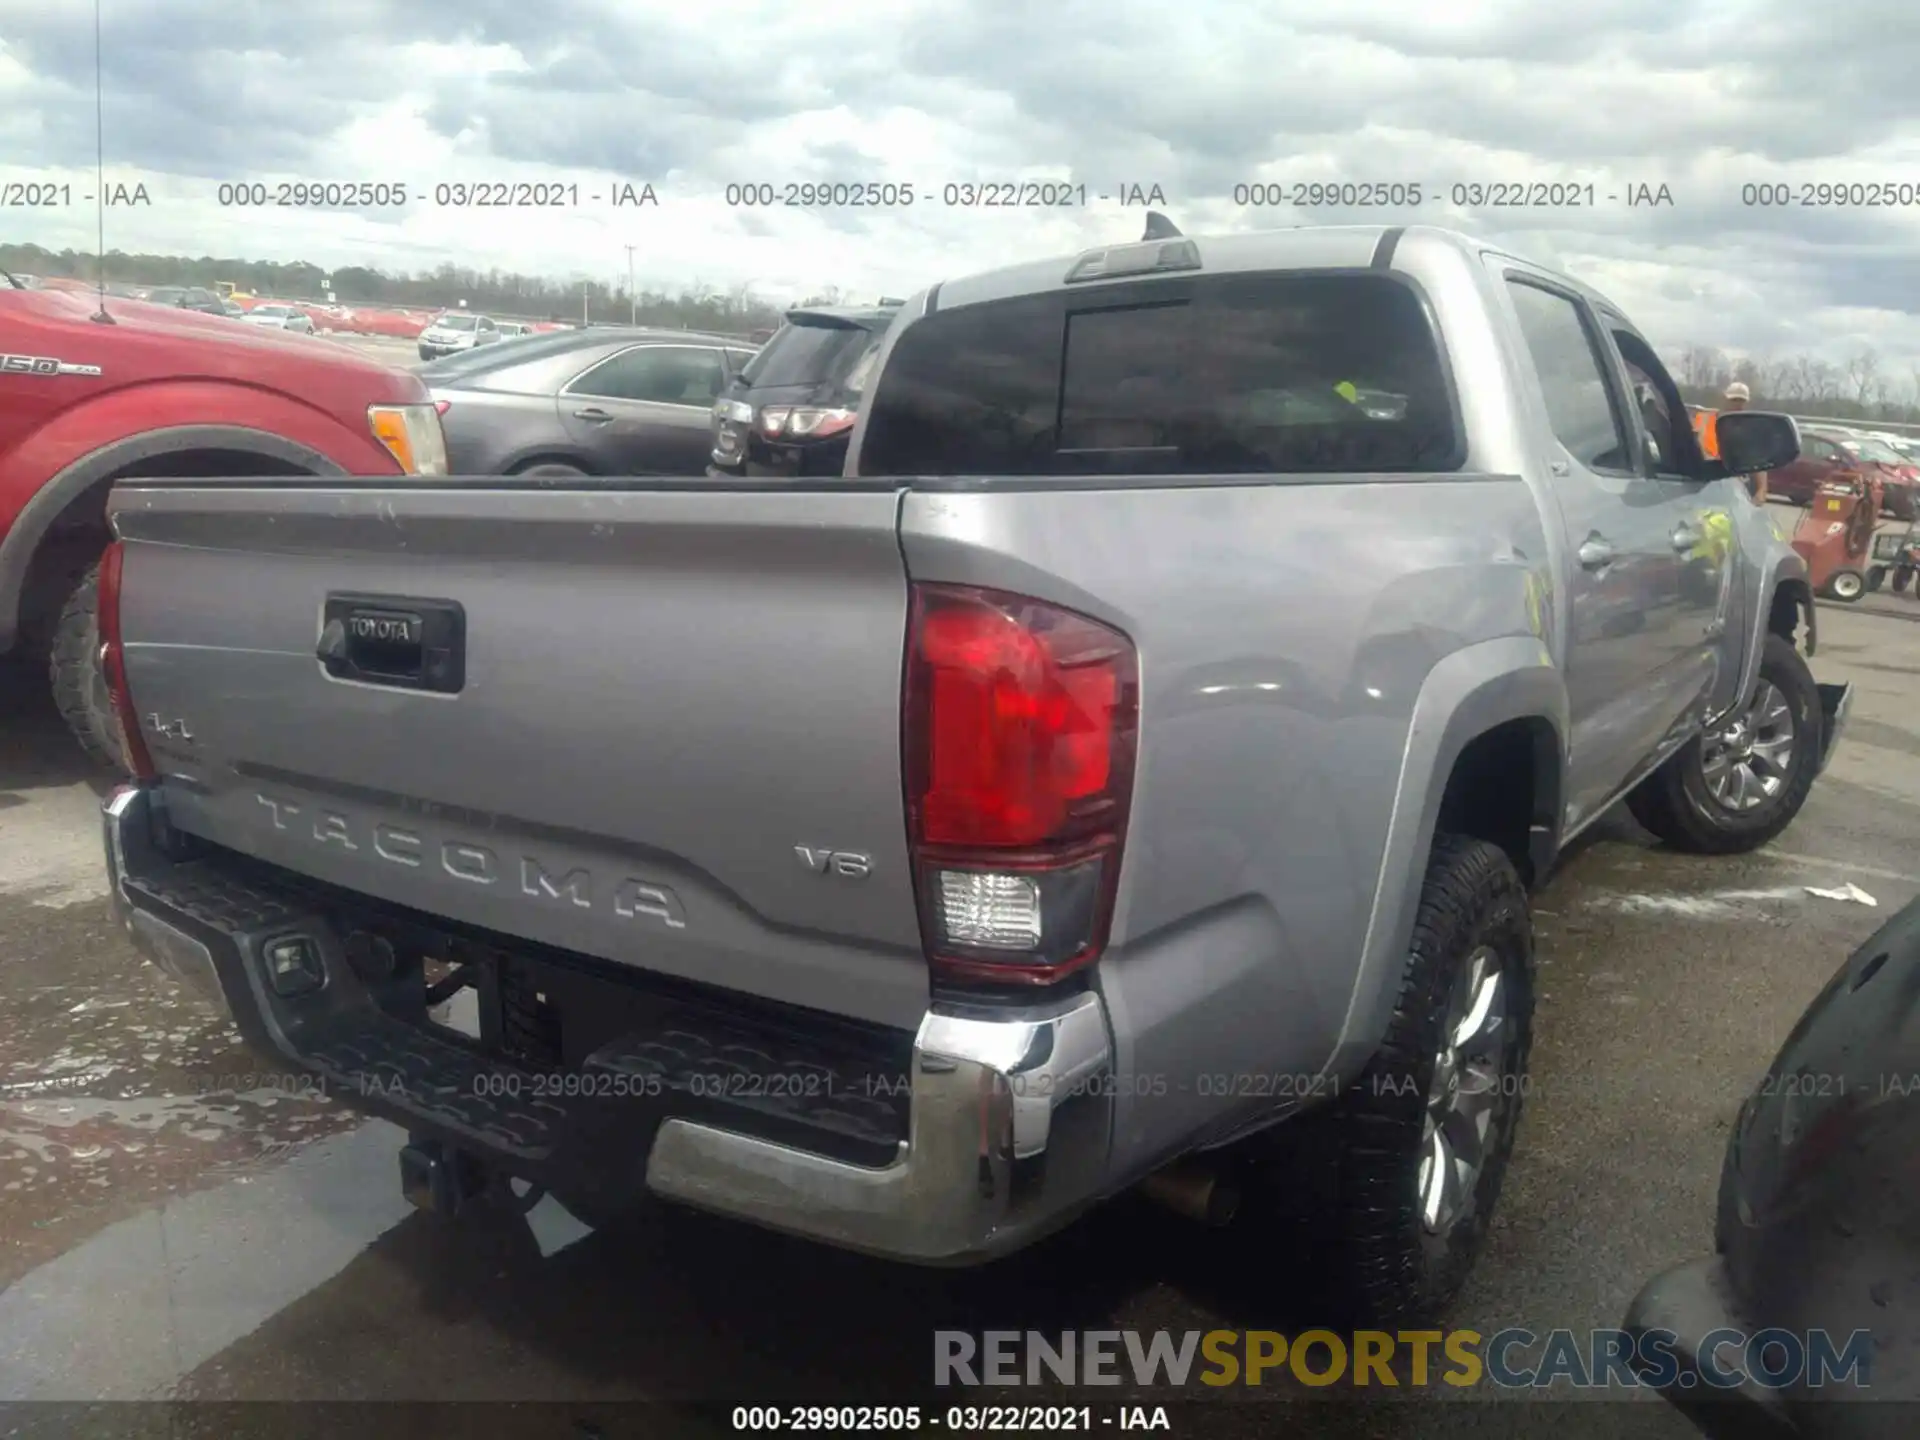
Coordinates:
(1311,372)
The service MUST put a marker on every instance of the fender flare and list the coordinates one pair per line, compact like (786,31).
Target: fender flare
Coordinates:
(1463,697)
(1784,577)
(22,540)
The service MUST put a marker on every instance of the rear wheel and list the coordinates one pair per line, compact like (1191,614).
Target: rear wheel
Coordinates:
(1901,578)
(552,470)
(1734,791)
(79,687)
(1876,577)
(1395,1182)
(1847,585)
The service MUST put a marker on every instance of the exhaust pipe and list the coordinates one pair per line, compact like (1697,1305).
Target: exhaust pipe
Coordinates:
(1194,1191)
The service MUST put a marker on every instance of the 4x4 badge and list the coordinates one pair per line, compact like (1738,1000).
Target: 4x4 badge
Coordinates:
(42,365)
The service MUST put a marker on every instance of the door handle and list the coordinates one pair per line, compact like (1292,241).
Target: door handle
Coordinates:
(593,415)
(1596,554)
(1686,538)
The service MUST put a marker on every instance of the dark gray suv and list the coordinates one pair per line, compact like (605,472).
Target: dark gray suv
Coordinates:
(791,411)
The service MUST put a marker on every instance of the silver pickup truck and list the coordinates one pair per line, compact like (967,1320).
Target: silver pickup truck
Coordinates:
(1153,737)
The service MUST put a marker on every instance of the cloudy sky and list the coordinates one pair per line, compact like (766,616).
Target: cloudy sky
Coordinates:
(1702,97)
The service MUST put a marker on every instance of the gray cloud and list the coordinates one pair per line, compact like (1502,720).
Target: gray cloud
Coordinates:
(1703,96)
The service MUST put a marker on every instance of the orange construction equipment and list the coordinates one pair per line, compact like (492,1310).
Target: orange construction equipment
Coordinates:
(1835,535)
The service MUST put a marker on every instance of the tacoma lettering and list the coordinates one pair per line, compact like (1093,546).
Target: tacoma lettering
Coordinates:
(631,898)
(576,885)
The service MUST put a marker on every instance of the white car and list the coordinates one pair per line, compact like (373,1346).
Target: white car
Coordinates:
(454,332)
(280,317)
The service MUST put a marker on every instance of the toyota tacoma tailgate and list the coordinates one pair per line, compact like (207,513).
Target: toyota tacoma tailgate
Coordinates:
(649,725)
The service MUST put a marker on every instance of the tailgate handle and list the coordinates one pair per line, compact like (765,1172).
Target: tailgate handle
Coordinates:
(394,640)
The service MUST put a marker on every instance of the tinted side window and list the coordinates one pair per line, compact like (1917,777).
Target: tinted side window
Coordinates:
(1271,374)
(664,374)
(1566,357)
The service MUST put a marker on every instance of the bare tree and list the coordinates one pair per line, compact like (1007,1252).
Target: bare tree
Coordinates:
(1700,366)
(1863,370)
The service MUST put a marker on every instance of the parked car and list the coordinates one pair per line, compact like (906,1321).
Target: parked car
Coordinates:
(232,309)
(159,392)
(1899,478)
(186,297)
(279,317)
(791,409)
(609,400)
(512,329)
(1815,1235)
(1206,800)
(455,331)
(1822,457)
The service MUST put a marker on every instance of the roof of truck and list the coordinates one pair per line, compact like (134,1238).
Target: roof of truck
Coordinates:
(1303,247)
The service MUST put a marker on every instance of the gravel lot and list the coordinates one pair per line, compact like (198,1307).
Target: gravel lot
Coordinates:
(167,1230)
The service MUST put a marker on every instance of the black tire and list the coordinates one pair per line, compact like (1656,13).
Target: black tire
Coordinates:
(1846,586)
(79,688)
(1876,577)
(1901,578)
(1677,804)
(1349,1173)
(551,470)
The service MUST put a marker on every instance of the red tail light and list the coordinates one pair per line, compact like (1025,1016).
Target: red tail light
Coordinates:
(805,422)
(1021,722)
(113,664)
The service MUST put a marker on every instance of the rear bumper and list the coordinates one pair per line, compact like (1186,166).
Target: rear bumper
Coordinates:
(1006,1132)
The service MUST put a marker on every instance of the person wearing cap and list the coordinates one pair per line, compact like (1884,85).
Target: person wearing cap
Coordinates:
(1736,399)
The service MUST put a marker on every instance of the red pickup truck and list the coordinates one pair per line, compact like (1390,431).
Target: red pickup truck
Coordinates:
(153,391)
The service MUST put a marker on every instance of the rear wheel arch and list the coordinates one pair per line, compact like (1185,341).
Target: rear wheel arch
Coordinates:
(1496,711)
(1505,788)
(67,516)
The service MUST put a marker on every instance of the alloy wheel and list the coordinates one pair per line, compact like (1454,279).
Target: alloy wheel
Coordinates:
(1464,1096)
(1751,760)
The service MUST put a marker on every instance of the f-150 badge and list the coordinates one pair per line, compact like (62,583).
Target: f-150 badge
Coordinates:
(42,365)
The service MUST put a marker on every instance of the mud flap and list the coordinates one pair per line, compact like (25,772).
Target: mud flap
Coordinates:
(1836,704)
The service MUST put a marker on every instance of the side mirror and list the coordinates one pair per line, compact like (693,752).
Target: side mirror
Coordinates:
(1755,440)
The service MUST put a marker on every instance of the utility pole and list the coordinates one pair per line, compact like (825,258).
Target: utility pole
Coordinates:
(633,303)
